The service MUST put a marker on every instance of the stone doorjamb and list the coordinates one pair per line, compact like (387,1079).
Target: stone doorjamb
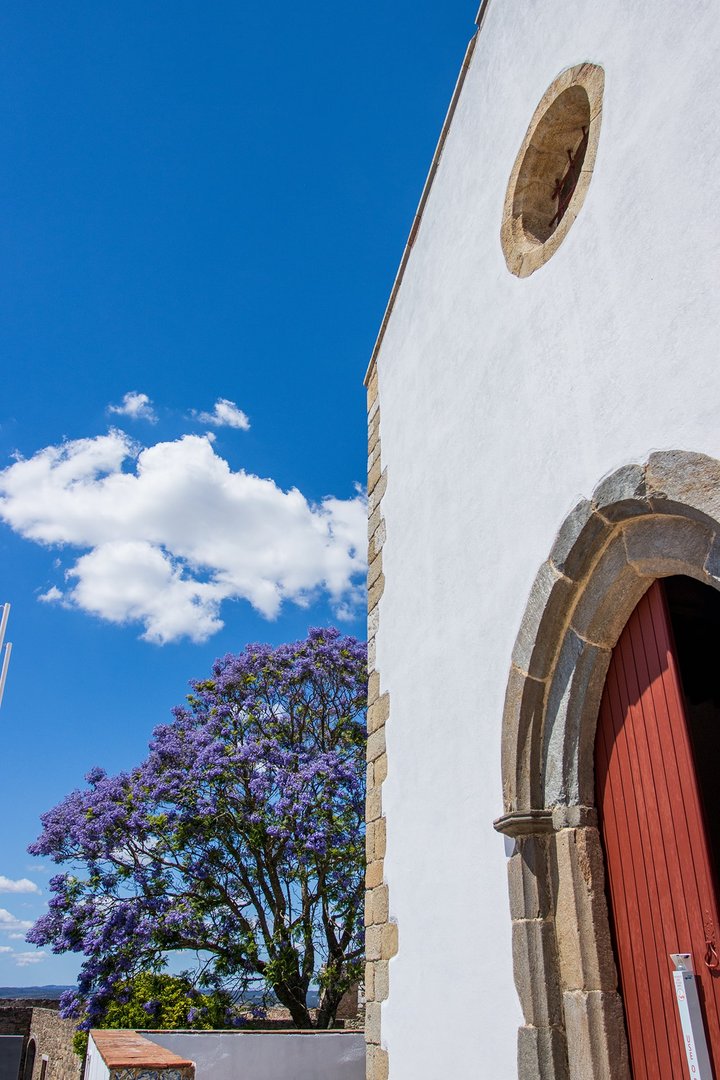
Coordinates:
(643,522)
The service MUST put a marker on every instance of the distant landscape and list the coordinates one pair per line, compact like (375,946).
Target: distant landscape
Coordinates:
(50,992)
(46,992)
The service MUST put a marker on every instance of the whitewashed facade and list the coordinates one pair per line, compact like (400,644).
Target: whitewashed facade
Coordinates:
(503,402)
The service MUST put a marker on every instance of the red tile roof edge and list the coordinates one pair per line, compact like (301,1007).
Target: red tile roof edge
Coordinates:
(123,1049)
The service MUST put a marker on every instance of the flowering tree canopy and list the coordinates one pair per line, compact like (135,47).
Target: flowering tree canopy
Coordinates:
(239,840)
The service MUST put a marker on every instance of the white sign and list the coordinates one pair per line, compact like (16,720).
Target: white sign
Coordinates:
(691,1021)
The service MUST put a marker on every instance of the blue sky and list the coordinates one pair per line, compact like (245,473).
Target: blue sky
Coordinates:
(202,209)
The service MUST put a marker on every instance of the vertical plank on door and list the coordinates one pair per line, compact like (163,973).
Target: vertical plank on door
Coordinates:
(658,867)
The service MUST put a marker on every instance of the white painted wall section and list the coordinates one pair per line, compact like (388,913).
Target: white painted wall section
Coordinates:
(503,402)
(245,1055)
(95,1067)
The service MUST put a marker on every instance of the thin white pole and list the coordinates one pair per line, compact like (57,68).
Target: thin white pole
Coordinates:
(3,622)
(5,666)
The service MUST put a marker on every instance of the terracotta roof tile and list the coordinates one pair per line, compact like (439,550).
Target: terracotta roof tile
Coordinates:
(125,1049)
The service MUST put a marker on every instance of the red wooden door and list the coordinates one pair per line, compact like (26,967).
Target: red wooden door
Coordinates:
(660,877)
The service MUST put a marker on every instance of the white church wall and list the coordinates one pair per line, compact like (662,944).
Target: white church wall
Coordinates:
(503,402)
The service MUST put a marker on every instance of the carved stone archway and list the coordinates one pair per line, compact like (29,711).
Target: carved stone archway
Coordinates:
(643,522)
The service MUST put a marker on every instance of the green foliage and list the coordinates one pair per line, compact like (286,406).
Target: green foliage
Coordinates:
(163,1002)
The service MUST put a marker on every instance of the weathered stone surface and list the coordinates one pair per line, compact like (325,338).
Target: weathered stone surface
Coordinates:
(580,539)
(381,936)
(376,747)
(536,972)
(382,980)
(389,946)
(690,483)
(39,1020)
(544,619)
(596,1040)
(542,1053)
(380,902)
(522,724)
(712,563)
(571,716)
(377,1064)
(374,520)
(520,823)
(373,804)
(372,388)
(609,597)
(374,473)
(574,817)
(380,830)
(376,592)
(370,969)
(377,541)
(373,942)
(378,713)
(368,919)
(581,919)
(622,494)
(374,430)
(375,839)
(374,873)
(375,496)
(15,1018)
(661,545)
(372,1022)
(528,880)
(369,842)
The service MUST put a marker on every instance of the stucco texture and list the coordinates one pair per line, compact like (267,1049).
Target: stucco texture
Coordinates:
(504,401)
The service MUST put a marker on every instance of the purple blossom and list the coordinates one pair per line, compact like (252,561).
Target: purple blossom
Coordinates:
(240,836)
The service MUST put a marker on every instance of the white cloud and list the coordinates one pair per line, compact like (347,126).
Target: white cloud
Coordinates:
(12,925)
(225,414)
(23,959)
(52,594)
(136,406)
(166,541)
(22,885)
(5,949)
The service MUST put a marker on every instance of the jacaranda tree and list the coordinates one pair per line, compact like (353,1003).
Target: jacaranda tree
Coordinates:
(238,841)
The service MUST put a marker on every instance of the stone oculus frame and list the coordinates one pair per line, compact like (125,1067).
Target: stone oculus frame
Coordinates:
(643,522)
(573,102)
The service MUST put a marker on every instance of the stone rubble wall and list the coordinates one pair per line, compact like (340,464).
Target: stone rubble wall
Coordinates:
(54,1037)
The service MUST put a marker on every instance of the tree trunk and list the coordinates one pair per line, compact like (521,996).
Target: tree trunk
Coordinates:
(328,1008)
(294,1000)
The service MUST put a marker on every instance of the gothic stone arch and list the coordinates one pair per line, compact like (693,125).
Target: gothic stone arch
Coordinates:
(643,522)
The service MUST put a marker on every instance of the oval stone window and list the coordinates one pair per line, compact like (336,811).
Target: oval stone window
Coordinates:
(552,170)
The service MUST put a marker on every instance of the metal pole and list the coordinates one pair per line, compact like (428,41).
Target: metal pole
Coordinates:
(3,622)
(8,649)
(5,666)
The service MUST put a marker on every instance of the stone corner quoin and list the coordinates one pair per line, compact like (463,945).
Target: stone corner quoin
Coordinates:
(381,935)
